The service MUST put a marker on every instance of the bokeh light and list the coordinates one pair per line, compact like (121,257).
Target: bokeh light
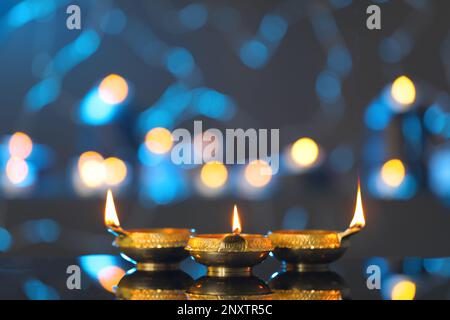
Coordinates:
(20,145)
(305,152)
(16,170)
(115,171)
(159,140)
(393,172)
(113,89)
(92,172)
(403,91)
(214,174)
(404,290)
(258,173)
(110,276)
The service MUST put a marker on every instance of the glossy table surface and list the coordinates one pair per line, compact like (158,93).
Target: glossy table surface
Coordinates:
(50,278)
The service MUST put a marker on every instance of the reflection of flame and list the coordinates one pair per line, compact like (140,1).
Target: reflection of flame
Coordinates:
(111,219)
(236,222)
(358,220)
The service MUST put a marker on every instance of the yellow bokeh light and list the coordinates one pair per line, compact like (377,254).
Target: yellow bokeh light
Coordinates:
(20,145)
(305,152)
(403,91)
(404,290)
(109,277)
(258,173)
(89,155)
(214,174)
(393,173)
(159,140)
(113,89)
(92,173)
(16,170)
(115,171)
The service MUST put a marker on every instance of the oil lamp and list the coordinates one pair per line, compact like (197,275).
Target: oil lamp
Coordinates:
(150,249)
(313,250)
(232,254)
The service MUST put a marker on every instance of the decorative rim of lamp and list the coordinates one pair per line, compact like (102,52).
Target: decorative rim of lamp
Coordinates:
(216,243)
(306,239)
(154,238)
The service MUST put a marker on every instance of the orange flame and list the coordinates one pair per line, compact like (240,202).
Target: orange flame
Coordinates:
(111,219)
(236,222)
(358,220)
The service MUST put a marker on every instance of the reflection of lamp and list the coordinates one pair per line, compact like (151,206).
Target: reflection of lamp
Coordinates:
(315,249)
(229,254)
(154,285)
(292,285)
(152,249)
(229,288)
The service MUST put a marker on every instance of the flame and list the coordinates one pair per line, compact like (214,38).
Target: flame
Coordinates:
(111,219)
(358,220)
(236,222)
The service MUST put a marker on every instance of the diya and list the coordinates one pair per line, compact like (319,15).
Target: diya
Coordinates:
(312,250)
(150,249)
(231,254)
(154,285)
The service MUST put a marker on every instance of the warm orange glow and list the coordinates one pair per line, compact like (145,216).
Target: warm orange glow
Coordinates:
(258,173)
(305,152)
(236,222)
(109,277)
(16,170)
(113,89)
(111,219)
(404,290)
(393,173)
(20,145)
(214,174)
(115,171)
(403,91)
(358,220)
(159,140)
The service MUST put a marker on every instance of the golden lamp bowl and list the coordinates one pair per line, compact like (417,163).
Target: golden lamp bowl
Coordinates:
(229,288)
(154,249)
(304,250)
(229,254)
(154,285)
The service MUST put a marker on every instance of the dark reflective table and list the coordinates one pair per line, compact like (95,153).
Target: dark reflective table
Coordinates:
(111,277)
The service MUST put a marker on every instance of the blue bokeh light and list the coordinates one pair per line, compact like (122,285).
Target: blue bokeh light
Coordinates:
(254,54)
(339,60)
(95,112)
(328,87)
(180,62)
(37,290)
(113,22)
(439,173)
(273,28)
(295,218)
(5,240)
(193,16)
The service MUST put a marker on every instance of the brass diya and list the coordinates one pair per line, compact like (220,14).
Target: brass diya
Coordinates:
(229,254)
(306,250)
(154,285)
(293,285)
(229,288)
(150,249)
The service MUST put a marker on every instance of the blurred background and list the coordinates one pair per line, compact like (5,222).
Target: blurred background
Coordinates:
(87,110)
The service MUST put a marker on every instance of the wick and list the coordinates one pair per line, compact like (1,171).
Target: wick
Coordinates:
(236,231)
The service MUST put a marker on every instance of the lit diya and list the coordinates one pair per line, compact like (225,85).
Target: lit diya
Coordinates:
(304,250)
(231,254)
(150,249)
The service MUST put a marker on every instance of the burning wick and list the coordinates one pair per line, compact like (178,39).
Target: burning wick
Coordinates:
(111,219)
(358,221)
(236,223)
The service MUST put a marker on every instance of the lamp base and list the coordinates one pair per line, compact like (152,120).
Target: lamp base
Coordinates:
(215,271)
